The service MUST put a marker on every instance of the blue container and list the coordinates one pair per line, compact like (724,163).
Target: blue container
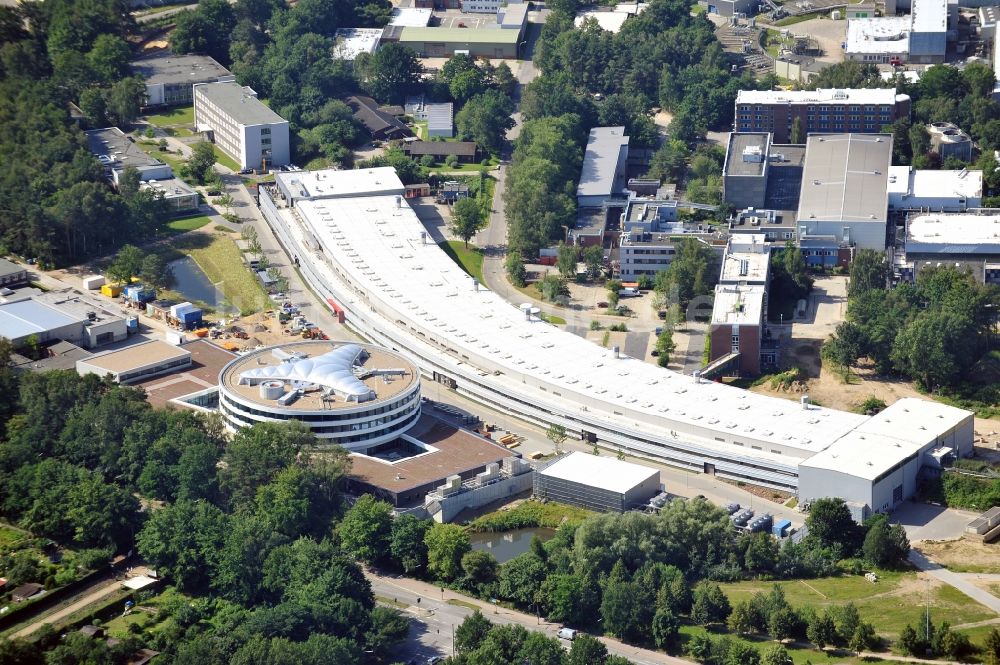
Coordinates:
(191,318)
(781,528)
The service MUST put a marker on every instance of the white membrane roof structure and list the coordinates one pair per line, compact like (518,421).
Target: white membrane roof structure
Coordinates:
(603,473)
(376,244)
(333,370)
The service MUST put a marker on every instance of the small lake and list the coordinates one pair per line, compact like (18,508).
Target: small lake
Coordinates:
(193,284)
(506,545)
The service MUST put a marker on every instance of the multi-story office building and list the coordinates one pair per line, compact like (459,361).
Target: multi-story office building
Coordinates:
(243,128)
(863,111)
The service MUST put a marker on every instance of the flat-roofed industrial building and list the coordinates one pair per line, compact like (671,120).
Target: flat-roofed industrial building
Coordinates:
(844,198)
(598,483)
(370,255)
(61,315)
(878,465)
(136,362)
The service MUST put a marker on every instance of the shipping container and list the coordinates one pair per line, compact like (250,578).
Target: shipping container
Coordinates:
(93,282)
(781,528)
(175,310)
(111,290)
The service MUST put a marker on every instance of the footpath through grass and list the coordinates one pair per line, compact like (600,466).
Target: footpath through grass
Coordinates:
(469,259)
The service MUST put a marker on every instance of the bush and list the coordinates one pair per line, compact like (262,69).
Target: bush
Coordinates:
(451,161)
(595,325)
(619,327)
(427,161)
(485,162)
(871,406)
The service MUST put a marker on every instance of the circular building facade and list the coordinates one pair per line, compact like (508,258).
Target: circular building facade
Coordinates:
(354,395)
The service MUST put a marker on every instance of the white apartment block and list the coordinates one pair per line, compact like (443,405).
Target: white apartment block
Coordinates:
(243,127)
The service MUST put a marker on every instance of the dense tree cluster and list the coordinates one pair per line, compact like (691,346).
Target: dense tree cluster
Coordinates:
(246,525)
(56,204)
(933,331)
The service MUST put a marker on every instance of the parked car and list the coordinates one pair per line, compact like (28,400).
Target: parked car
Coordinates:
(567,633)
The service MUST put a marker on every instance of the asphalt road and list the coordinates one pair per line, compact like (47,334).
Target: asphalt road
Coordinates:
(433,619)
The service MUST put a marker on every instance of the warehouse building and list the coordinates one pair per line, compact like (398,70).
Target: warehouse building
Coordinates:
(336,184)
(879,464)
(170,78)
(604,166)
(12,274)
(934,191)
(137,362)
(241,126)
(370,257)
(844,198)
(920,38)
(598,483)
(442,42)
(61,315)
(861,110)
(965,241)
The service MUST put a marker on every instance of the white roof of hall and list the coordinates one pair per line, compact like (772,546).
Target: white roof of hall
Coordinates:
(332,183)
(606,473)
(883,34)
(845,178)
(959,233)
(378,244)
(888,438)
(925,183)
(840,95)
(929,15)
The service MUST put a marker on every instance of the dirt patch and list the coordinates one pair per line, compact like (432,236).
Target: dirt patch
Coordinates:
(829,389)
(963,555)
(776,496)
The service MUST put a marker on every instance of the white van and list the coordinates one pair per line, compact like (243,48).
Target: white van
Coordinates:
(629,292)
(567,633)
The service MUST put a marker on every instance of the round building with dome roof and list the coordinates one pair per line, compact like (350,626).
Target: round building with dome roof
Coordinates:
(355,395)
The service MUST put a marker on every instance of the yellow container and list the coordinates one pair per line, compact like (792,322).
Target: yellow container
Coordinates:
(111,290)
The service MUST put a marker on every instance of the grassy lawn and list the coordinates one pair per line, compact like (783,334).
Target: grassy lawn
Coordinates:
(10,536)
(188,224)
(530,514)
(698,9)
(385,600)
(178,131)
(420,127)
(462,603)
(470,259)
(182,115)
(225,159)
(897,599)
(553,319)
(773,47)
(174,160)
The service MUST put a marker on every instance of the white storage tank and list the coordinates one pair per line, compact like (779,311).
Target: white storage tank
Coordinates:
(93,282)
(272,390)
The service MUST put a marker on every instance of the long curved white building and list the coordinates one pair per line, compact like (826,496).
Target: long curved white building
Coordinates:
(369,255)
(354,395)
